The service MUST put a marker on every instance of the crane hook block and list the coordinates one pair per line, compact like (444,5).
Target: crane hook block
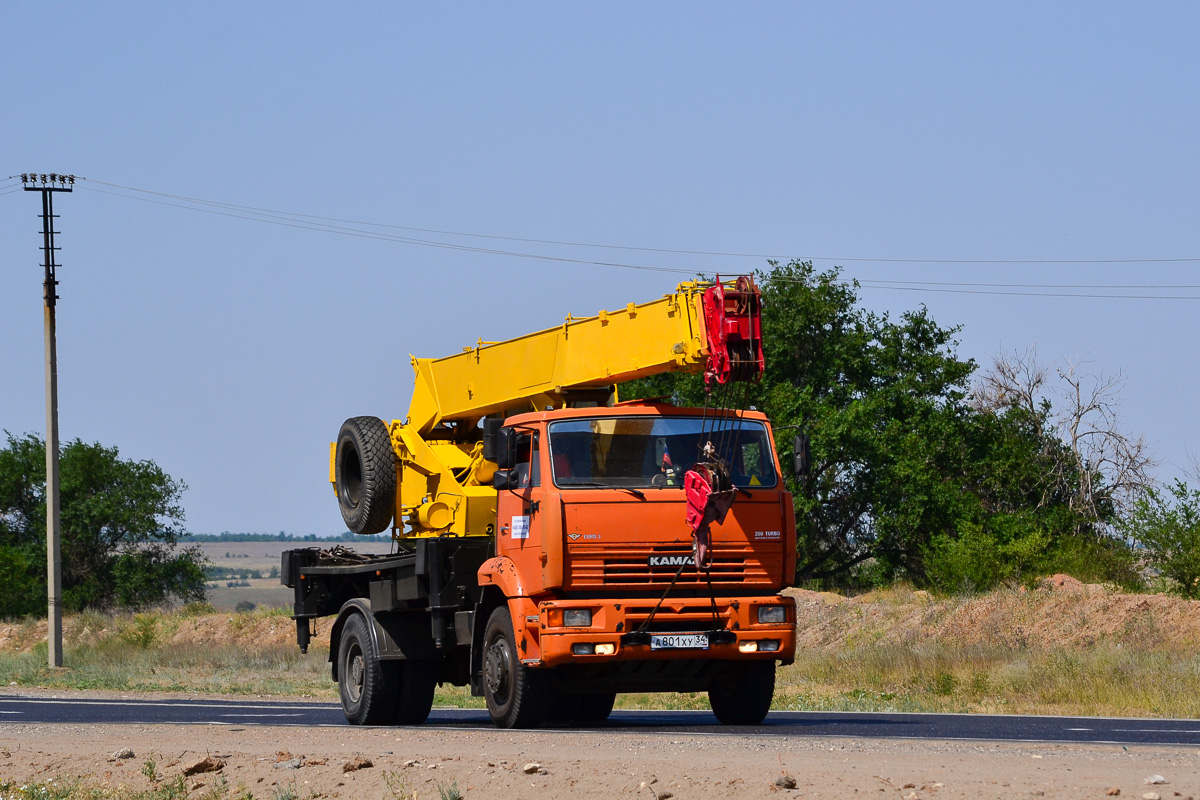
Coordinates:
(733,324)
(709,494)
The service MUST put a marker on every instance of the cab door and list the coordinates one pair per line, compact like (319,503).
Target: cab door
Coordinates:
(521,513)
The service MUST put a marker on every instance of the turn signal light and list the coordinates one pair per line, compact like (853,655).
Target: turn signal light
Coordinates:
(748,647)
(605,649)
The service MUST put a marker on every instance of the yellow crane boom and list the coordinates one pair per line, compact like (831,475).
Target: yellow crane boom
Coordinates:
(443,483)
(545,368)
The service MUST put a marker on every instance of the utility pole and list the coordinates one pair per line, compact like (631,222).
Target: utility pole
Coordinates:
(48,185)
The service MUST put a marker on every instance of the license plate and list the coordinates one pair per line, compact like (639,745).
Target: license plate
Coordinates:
(679,641)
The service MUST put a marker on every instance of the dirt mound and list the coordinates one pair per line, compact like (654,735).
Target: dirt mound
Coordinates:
(1065,583)
(255,630)
(1061,612)
(225,629)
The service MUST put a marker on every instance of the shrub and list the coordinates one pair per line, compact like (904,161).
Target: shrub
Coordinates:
(1168,528)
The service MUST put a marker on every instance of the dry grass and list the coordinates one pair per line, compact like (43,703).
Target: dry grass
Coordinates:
(1064,648)
(175,789)
(251,653)
(1098,681)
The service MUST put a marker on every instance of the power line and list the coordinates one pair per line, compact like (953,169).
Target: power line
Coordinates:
(1034,294)
(345,231)
(566,243)
(442,232)
(345,227)
(1042,285)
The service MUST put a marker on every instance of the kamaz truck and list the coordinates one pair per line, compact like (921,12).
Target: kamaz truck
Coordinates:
(555,546)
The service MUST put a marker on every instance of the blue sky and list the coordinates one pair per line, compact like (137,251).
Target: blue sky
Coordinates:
(229,350)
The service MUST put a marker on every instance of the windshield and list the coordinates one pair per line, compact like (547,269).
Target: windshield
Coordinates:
(655,452)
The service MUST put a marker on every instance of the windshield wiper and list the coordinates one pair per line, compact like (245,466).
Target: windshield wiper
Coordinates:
(638,493)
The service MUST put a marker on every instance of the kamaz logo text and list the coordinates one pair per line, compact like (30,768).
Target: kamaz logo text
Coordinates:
(669,561)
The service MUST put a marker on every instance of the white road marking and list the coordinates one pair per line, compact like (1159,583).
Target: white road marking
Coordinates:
(1077,729)
(12,712)
(1153,730)
(259,715)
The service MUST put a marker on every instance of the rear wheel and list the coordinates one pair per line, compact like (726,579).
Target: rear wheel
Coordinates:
(415,681)
(515,694)
(742,694)
(368,694)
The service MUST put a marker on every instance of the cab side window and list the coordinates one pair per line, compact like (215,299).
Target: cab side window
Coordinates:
(528,464)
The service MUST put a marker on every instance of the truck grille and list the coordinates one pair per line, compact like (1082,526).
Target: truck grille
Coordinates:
(590,567)
(671,619)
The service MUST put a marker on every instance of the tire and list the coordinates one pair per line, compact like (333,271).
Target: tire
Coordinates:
(742,695)
(563,709)
(516,695)
(595,707)
(367,686)
(416,681)
(581,709)
(365,475)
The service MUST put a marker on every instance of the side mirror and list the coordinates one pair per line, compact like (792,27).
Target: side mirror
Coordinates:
(505,479)
(801,455)
(505,448)
(491,426)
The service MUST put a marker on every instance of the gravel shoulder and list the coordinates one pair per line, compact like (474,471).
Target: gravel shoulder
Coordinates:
(271,761)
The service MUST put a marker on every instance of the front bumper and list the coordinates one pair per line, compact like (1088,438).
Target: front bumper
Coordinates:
(629,632)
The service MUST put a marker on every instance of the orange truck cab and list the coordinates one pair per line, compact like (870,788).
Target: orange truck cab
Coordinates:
(595,565)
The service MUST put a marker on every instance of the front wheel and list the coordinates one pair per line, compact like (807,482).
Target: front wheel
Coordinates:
(515,694)
(582,709)
(596,706)
(742,694)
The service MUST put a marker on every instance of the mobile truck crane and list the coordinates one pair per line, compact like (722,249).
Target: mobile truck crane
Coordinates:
(554,546)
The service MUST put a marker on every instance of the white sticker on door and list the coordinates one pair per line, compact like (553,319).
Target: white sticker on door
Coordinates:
(520,527)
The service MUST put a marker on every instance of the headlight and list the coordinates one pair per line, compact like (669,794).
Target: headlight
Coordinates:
(577,618)
(772,615)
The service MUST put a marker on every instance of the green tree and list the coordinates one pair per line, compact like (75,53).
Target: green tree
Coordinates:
(882,401)
(1023,519)
(121,521)
(1168,528)
(908,478)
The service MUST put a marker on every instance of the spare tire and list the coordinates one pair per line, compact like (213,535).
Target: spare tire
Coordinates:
(365,475)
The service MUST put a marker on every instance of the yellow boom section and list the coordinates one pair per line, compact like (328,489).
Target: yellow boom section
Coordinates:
(443,483)
(536,370)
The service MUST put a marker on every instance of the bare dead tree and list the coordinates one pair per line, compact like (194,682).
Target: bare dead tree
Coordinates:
(1109,467)
(1015,380)
(1114,464)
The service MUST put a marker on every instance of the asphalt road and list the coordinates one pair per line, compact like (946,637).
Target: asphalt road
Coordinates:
(1118,730)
